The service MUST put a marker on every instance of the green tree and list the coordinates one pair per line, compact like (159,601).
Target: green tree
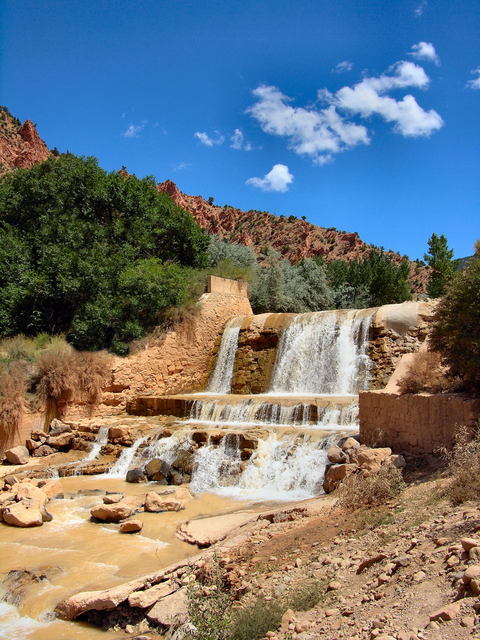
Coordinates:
(439,259)
(456,329)
(74,239)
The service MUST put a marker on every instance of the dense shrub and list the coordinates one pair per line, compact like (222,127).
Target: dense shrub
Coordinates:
(359,490)
(456,328)
(94,255)
(12,390)
(464,466)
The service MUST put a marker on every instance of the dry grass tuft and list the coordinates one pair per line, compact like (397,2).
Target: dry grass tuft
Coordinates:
(426,373)
(464,465)
(12,391)
(378,488)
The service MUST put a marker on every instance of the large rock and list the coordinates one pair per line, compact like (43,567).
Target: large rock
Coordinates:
(121,435)
(144,599)
(372,459)
(57,427)
(115,512)
(172,608)
(43,450)
(26,513)
(158,470)
(155,502)
(136,475)
(336,456)
(17,455)
(131,526)
(61,441)
(335,474)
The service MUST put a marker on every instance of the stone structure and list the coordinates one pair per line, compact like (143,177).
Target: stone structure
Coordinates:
(415,424)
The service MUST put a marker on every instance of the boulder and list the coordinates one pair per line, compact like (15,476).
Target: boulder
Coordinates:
(17,455)
(446,613)
(121,435)
(26,513)
(172,608)
(57,427)
(472,572)
(155,502)
(158,470)
(349,443)
(469,543)
(372,459)
(32,444)
(335,474)
(61,441)
(398,461)
(112,498)
(184,462)
(43,450)
(131,526)
(115,512)
(336,456)
(136,475)
(144,599)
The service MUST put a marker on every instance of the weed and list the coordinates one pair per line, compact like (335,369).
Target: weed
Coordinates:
(12,390)
(253,622)
(308,595)
(376,489)
(425,373)
(464,465)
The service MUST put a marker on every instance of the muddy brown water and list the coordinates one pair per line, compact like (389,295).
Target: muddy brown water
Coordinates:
(79,555)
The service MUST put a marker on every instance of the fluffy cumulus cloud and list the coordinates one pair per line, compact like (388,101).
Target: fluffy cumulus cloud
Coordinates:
(425,51)
(133,130)
(343,66)
(237,141)
(326,129)
(209,141)
(474,83)
(277,179)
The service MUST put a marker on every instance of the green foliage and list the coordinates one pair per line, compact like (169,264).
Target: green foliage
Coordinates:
(307,595)
(252,623)
(96,256)
(456,329)
(283,287)
(369,282)
(439,259)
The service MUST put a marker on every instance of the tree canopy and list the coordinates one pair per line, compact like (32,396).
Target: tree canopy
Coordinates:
(439,258)
(95,255)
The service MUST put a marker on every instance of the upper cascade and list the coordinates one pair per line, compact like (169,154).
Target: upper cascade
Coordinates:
(323,353)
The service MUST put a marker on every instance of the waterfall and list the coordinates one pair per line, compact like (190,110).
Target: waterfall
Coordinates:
(288,468)
(323,353)
(124,461)
(221,378)
(100,441)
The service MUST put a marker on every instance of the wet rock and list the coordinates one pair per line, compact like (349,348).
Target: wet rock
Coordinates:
(136,475)
(336,456)
(121,435)
(207,531)
(17,455)
(18,582)
(155,502)
(184,462)
(112,498)
(131,526)
(159,471)
(115,512)
(26,513)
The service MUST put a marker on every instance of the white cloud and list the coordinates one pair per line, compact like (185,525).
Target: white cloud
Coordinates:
(277,179)
(237,141)
(366,98)
(134,130)
(425,51)
(181,166)
(209,141)
(343,66)
(474,83)
(312,132)
(419,9)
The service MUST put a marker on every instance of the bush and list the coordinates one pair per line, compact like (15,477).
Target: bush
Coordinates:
(12,391)
(456,325)
(362,491)
(81,249)
(425,373)
(253,622)
(307,596)
(464,466)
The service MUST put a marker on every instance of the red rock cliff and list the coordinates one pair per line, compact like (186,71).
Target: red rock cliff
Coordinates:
(20,144)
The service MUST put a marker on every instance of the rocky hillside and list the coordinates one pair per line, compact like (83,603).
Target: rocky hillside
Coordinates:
(294,238)
(20,144)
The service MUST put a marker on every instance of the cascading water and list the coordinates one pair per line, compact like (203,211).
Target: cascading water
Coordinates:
(285,468)
(124,461)
(221,378)
(100,441)
(323,353)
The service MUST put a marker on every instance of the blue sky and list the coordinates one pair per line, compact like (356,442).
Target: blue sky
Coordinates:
(358,114)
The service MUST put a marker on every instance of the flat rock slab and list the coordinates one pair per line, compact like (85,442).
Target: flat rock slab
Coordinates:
(207,531)
(169,609)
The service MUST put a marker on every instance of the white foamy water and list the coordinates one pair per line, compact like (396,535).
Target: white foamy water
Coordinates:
(288,468)
(100,441)
(124,461)
(221,378)
(323,353)
(13,626)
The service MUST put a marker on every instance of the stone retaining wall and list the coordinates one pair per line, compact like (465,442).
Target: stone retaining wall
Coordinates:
(415,424)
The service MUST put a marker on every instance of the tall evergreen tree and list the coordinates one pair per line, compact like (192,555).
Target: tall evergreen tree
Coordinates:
(439,258)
